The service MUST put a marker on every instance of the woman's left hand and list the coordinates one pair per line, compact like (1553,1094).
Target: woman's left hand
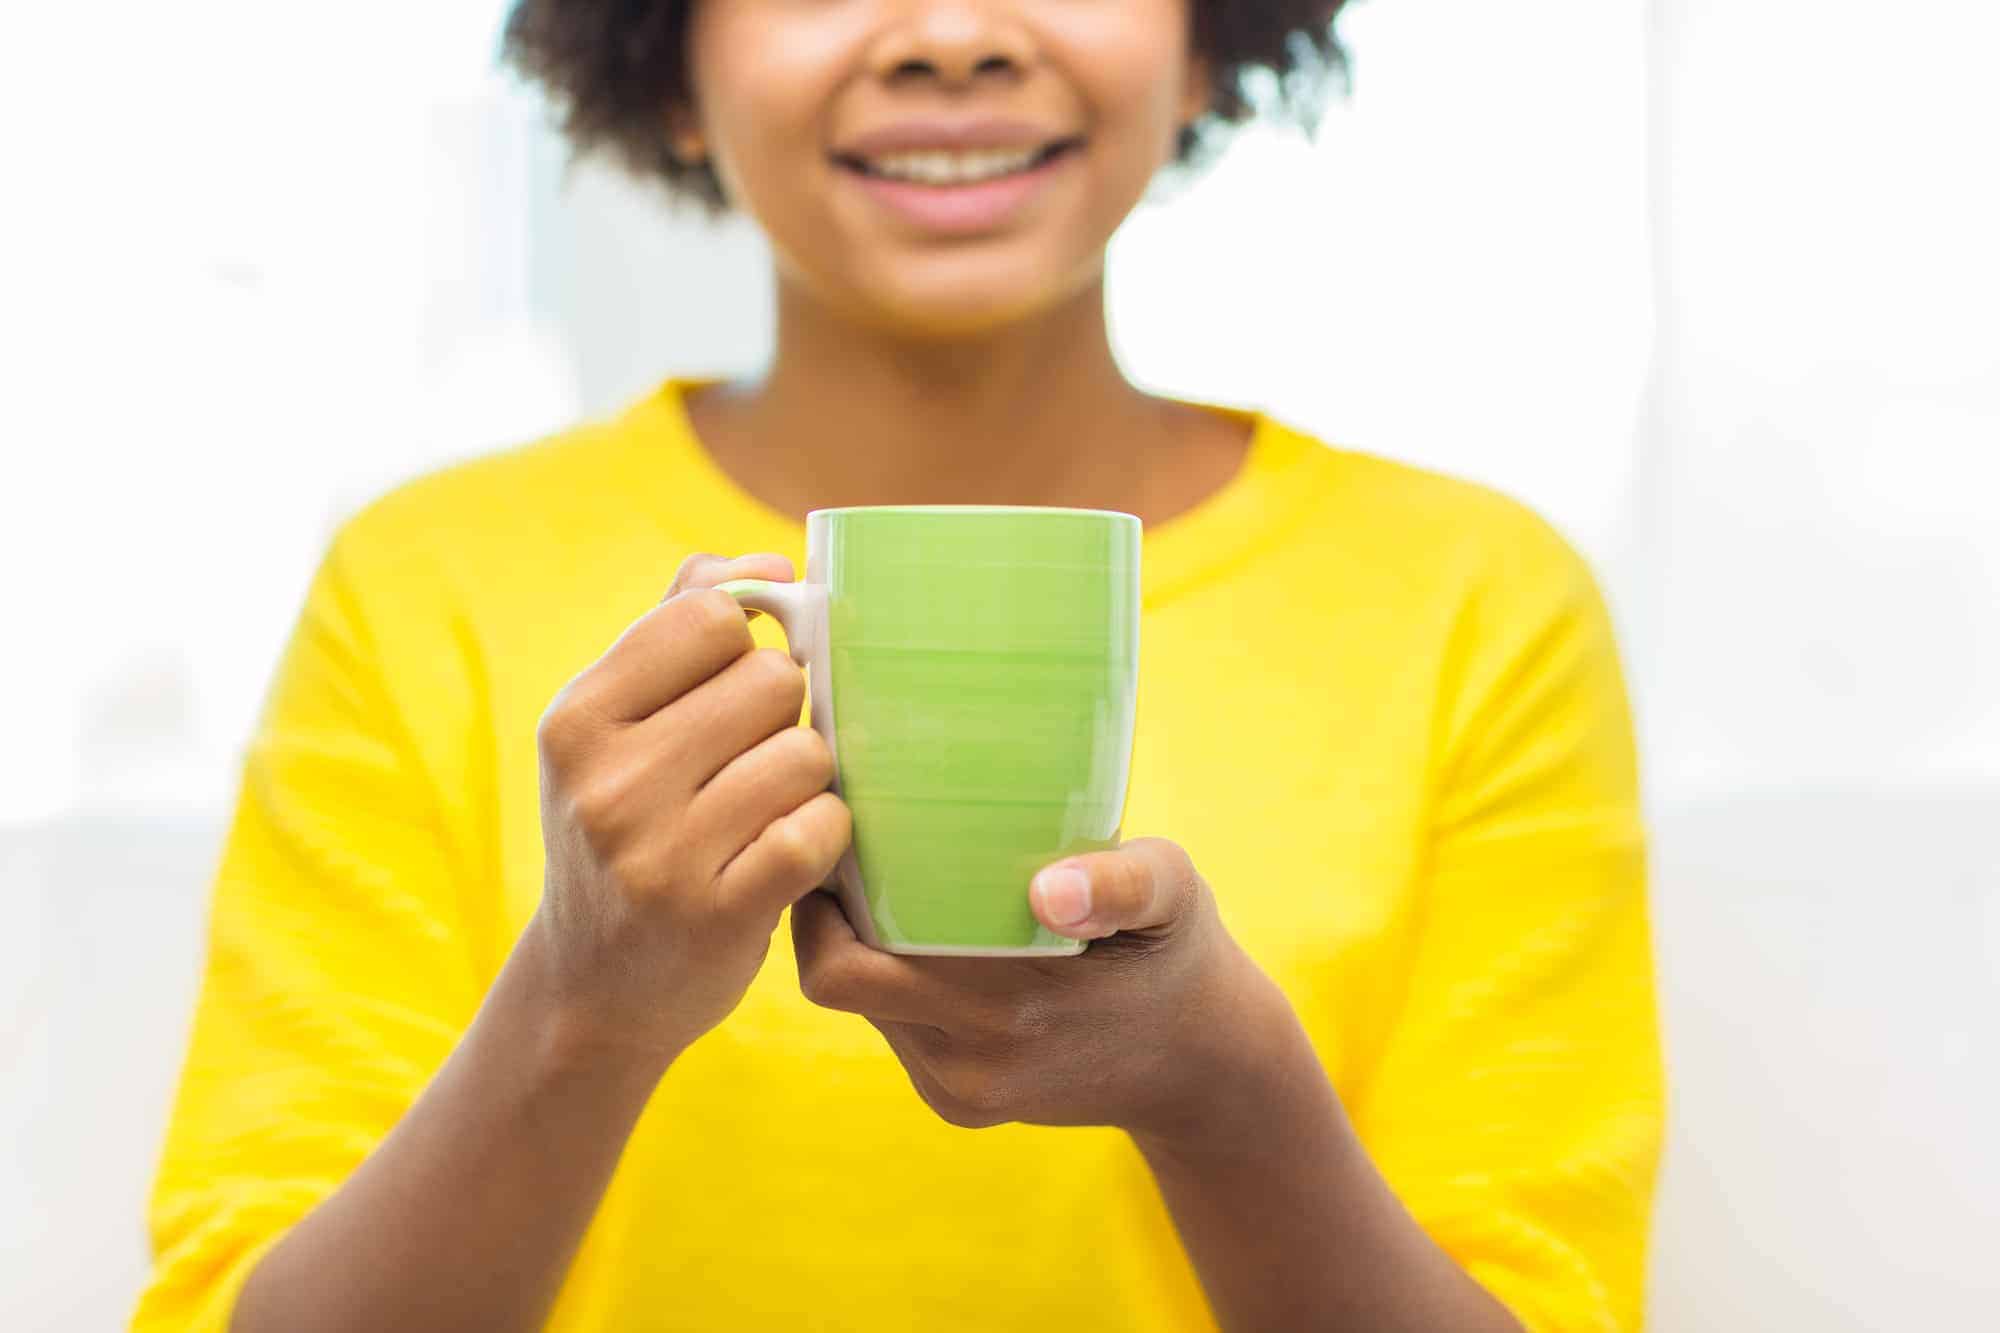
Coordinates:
(1163,1027)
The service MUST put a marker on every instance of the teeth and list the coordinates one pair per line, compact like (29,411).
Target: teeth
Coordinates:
(938,168)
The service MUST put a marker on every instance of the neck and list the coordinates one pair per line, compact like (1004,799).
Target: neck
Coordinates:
(1036,413)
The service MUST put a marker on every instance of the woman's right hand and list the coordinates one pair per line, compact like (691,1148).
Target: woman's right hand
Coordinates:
(683,809)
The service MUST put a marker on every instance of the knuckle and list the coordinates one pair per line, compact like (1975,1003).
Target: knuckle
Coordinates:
(841,821)
(560,731)
(776,671)
(1174,865)
(712,617)
(1185,891)
(1175,855)
(812,754)
(824,985)
(601,798)
(1110,890)
(794,849)
(688,575)
(554,737)
(1131,884)
(834,823)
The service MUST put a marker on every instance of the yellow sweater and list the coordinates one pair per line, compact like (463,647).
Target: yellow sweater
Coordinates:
(1382,710)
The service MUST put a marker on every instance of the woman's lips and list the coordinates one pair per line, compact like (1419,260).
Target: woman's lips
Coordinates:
(966,208)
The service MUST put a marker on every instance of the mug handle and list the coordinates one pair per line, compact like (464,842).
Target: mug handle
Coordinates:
(800,608)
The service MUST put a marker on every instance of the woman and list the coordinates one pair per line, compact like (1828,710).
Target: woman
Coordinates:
(491,1030)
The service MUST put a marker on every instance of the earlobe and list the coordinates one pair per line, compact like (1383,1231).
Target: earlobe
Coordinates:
(1199,95)
(685,139)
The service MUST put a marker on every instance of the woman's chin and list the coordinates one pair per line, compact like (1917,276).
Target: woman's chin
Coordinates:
(965,306)
(952,321)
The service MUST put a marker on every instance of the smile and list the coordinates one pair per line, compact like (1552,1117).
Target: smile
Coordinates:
(941,168)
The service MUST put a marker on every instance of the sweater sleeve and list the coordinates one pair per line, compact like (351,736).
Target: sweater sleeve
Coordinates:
(337,975)
(1518,1105)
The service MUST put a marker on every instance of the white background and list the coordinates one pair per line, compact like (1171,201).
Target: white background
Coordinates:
(1714,285)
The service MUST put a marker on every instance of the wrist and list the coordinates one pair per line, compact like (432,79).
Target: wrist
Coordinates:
(1254,1077)
(564,1039)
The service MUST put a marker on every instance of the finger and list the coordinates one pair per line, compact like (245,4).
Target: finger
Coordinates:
(752,699)
(765,782)
(664,762)
(1147,884)
(789,859)
(704,570)
(838,971)
(693,633)
(660,656)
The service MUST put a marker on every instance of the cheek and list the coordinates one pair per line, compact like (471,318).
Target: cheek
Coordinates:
(1129,60)
(763,100)
(1135,88)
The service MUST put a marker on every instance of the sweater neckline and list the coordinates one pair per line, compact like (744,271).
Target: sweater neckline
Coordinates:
(700,503)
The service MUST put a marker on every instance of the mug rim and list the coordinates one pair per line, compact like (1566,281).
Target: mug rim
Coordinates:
(1011,510)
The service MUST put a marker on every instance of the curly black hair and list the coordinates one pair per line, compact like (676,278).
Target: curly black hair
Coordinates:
(615,67)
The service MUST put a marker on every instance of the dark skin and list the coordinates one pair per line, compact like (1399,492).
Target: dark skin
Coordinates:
(835,421)
(683,810)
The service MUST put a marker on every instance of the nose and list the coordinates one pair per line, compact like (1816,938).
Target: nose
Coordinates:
(952,42)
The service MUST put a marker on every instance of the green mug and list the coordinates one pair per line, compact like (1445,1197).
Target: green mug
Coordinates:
(974,669)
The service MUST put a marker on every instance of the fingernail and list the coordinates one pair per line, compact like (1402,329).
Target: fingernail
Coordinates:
(1065,894)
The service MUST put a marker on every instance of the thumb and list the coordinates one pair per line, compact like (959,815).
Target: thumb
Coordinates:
(1147,884)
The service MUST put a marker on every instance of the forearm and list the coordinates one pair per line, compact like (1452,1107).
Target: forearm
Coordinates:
(1288,1223)
(469,1213)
